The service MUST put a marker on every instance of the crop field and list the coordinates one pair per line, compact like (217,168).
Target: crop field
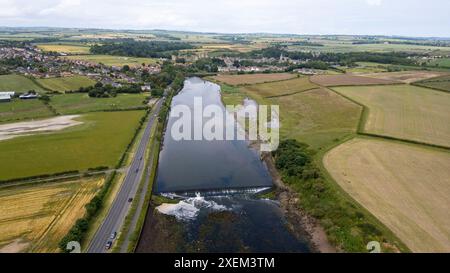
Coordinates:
(99,141)
(35,218)
(317,117)
(407,187)
(405,112)
(253,78)
(66,83)
(65,48)
(366,67)
(17,83)
(23,109)
(280,88)
(406,76)
(81,103)
(342,80)
(444,62)
(441,83)
(113,60)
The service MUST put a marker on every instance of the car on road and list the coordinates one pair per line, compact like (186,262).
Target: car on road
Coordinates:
(130,200)
(113,235)
(137,170)
(108,245)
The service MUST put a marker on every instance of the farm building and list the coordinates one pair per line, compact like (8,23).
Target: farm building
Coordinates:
(28,96)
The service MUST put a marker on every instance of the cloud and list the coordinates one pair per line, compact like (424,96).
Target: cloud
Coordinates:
(374,2)
(60,8)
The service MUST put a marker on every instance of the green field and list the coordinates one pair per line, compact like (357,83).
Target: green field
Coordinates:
(100,141)
(441,83)
(81,103)
(17,83)
(113,60)
(65,48)
(445,62)
(23,109)
(66,83)
(317,117)
(404,111)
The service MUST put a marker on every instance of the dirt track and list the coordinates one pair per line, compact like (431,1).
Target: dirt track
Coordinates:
(12,130)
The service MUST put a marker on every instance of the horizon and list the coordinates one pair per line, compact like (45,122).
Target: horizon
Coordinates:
(349,17)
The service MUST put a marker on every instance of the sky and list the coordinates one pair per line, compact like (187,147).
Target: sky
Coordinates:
(371,17)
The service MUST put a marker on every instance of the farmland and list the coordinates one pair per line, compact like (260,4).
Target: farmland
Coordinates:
(17,83)
(65,48)
(406,76)
(317,117)
(280,88)
(23,109)
(405,186)
(99,141)
(405,112)
(440,83)
(113,60)
(63,84)
(342,80)
(252,78)
(34,218)
(80,103)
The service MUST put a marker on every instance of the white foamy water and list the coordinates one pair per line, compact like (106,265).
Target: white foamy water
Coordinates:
(189,208)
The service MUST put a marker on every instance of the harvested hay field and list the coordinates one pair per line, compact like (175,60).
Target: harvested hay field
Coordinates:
(280,88)
(406,76)
(404,112)
(344,80)
(407,187)
(34,218)
(253,78)
(65,48)
(317,117)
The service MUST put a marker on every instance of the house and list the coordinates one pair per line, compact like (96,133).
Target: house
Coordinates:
(146,87)
(6,96)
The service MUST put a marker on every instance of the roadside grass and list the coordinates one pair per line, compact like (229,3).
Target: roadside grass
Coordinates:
(99,141)
(40,215)
(17,110)
(110,60)
(404,112)
(81,103)
(63,84)
(18,83)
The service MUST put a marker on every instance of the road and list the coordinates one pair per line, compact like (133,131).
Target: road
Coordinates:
(119,209)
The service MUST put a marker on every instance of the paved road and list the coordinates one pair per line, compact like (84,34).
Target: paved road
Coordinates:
(120,206)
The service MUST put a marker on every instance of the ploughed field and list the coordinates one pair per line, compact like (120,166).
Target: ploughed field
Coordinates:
(406,186)
(406,76)
(253,78)
(100,140)
(404,112)
(35,218)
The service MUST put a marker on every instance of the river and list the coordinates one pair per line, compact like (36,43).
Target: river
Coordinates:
(216,186)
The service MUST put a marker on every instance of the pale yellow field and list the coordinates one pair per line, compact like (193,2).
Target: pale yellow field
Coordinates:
(405,111)
(406,186)
(39,216)
(65,48)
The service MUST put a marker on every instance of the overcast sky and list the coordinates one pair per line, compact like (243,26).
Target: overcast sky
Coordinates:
(382,17)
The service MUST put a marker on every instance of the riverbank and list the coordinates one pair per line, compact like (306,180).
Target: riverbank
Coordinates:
(299,222)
